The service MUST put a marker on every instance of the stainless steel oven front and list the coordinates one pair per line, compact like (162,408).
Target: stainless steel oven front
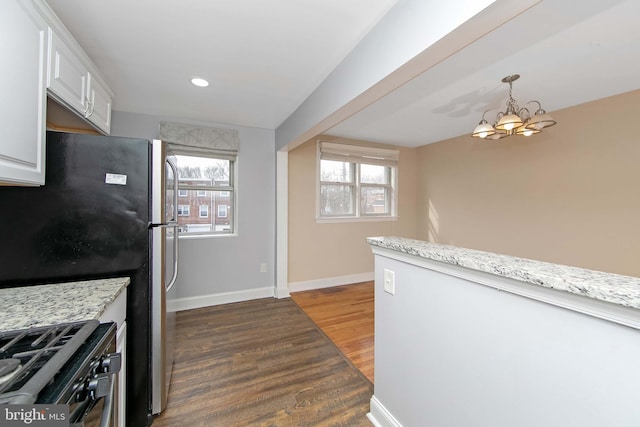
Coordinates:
(93,397)
(71,364)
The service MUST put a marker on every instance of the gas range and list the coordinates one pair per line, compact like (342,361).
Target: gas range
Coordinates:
(72,364)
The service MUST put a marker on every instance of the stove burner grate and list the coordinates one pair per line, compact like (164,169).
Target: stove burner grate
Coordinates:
(41,353)
(8,368)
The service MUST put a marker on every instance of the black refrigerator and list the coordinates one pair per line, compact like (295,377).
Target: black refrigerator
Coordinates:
(97,217)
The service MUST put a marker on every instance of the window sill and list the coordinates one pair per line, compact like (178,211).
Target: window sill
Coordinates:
(356,219)
(205,236)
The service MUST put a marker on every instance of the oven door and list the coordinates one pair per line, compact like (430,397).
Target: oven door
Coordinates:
(95,411)
(95,401)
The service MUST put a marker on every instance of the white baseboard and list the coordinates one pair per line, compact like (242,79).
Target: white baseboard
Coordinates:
(330,282)
(282,293)
(189,303)
(380,416)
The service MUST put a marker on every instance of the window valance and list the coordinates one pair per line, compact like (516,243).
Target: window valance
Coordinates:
(358,154)
(200,140)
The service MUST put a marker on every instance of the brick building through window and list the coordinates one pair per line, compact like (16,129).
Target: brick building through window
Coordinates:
(203,211)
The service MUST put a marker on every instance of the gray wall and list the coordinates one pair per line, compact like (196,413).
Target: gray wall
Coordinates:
(216,265)
(451,352)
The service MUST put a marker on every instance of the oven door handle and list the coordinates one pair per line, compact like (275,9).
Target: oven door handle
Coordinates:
(107,409)
(85,407)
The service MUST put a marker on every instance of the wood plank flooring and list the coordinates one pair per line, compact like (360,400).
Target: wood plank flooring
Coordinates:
(345,314)
(261,363)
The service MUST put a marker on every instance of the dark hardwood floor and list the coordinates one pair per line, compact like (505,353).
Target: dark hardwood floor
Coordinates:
(261,363)
(345,314)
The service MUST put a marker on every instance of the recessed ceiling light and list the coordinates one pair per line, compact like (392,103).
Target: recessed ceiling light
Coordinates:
(199,82)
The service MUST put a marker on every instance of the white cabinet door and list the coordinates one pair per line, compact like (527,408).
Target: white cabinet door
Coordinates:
(68,78)
(116,312)
(23,53)
(71,83)
(121,347)
(99,112)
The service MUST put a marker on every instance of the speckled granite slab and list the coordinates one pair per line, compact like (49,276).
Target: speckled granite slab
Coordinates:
(43,305)
(613,288)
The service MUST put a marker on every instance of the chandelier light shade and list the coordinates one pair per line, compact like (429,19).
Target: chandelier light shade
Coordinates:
(525,131)
(498,135)
(484,129)
(514,120)
(508,122)
(540,120)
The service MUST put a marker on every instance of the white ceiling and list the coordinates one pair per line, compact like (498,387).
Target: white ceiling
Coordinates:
(566,53)
(264,58)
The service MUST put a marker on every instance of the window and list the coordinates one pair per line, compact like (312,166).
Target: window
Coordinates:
(207,171)
(208,181)
(356,182)
(182,193)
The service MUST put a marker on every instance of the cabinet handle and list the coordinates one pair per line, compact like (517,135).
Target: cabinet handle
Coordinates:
(90,108)
(86,109)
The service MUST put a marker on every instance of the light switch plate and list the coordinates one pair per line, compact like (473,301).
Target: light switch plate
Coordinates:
(389,281)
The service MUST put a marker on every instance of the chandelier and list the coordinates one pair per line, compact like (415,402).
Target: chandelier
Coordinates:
(515,120)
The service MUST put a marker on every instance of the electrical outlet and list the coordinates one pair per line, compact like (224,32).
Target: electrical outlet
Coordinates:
(389,281)
(263,267)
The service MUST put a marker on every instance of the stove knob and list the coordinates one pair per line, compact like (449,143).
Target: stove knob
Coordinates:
(99,386)
(111,363)
(81,392)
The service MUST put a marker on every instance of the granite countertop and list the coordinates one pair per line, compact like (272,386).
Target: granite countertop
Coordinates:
(42,305)
(608,287)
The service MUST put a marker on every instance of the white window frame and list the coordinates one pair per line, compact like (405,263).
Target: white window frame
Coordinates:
(357,155)
(184,210)
(389,188)
(184,139)
(223,211)
(206,211)
(228,188)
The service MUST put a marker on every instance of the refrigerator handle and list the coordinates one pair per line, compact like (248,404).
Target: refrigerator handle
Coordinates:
(172,282)
(174,167)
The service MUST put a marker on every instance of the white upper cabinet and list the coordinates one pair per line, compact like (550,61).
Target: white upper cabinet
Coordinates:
(39,57)
(68,78)
(23,52)
(72,81)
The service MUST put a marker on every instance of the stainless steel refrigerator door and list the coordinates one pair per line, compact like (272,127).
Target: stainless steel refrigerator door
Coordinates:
(164,271)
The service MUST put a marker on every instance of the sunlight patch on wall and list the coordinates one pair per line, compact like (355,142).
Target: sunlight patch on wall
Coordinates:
(433,223)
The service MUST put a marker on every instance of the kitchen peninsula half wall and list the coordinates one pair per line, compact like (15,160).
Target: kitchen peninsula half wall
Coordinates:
(476,338)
